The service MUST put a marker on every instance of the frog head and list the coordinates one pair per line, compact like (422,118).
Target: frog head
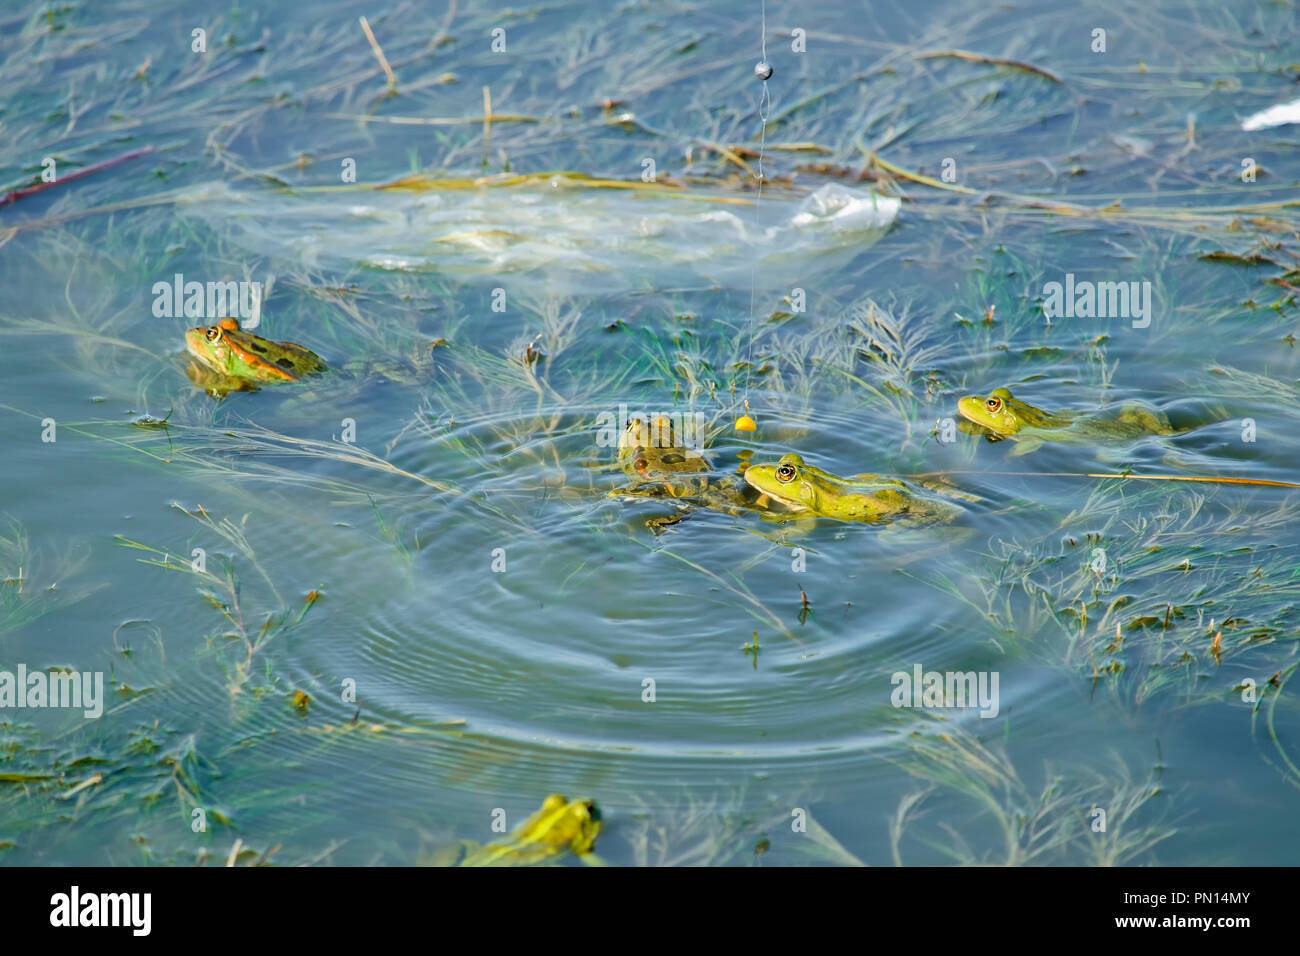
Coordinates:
(789,481)
(1000,412)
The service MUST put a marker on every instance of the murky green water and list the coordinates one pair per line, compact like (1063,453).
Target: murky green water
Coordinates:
(423,541)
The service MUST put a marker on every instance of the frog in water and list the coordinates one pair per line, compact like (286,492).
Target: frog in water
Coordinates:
(1001,415)
(872,498)
(660,466)
(561,824)
(228,359)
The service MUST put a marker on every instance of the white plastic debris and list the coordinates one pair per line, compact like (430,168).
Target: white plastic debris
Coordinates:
(846,210)
(1279,115)
(565,241)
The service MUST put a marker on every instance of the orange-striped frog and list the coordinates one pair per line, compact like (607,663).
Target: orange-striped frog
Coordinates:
(229,359)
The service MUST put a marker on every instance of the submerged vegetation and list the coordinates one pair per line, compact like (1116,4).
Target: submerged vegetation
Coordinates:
(498,274)
(1058,824)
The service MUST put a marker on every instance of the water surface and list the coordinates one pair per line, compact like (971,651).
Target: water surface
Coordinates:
(368,564)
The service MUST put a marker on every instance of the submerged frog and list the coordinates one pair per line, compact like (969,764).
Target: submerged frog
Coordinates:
(1001,415)
(872,498)
(560,825)
(229,359)
(661,467)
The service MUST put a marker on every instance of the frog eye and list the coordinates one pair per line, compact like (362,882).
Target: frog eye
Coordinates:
(785,473)
(213,333)
(994,405)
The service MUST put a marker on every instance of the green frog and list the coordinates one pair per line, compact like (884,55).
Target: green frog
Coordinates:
(1000,415)
(876,499)
(661,467)
(228,359)
(561,824)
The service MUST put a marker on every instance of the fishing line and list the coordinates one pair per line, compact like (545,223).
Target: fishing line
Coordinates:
(763,70)
(1088,474)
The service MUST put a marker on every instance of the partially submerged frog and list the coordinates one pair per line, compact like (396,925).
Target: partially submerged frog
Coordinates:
(660,466)
(560,825)
(228,359)
(1001,415)
(872,498)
